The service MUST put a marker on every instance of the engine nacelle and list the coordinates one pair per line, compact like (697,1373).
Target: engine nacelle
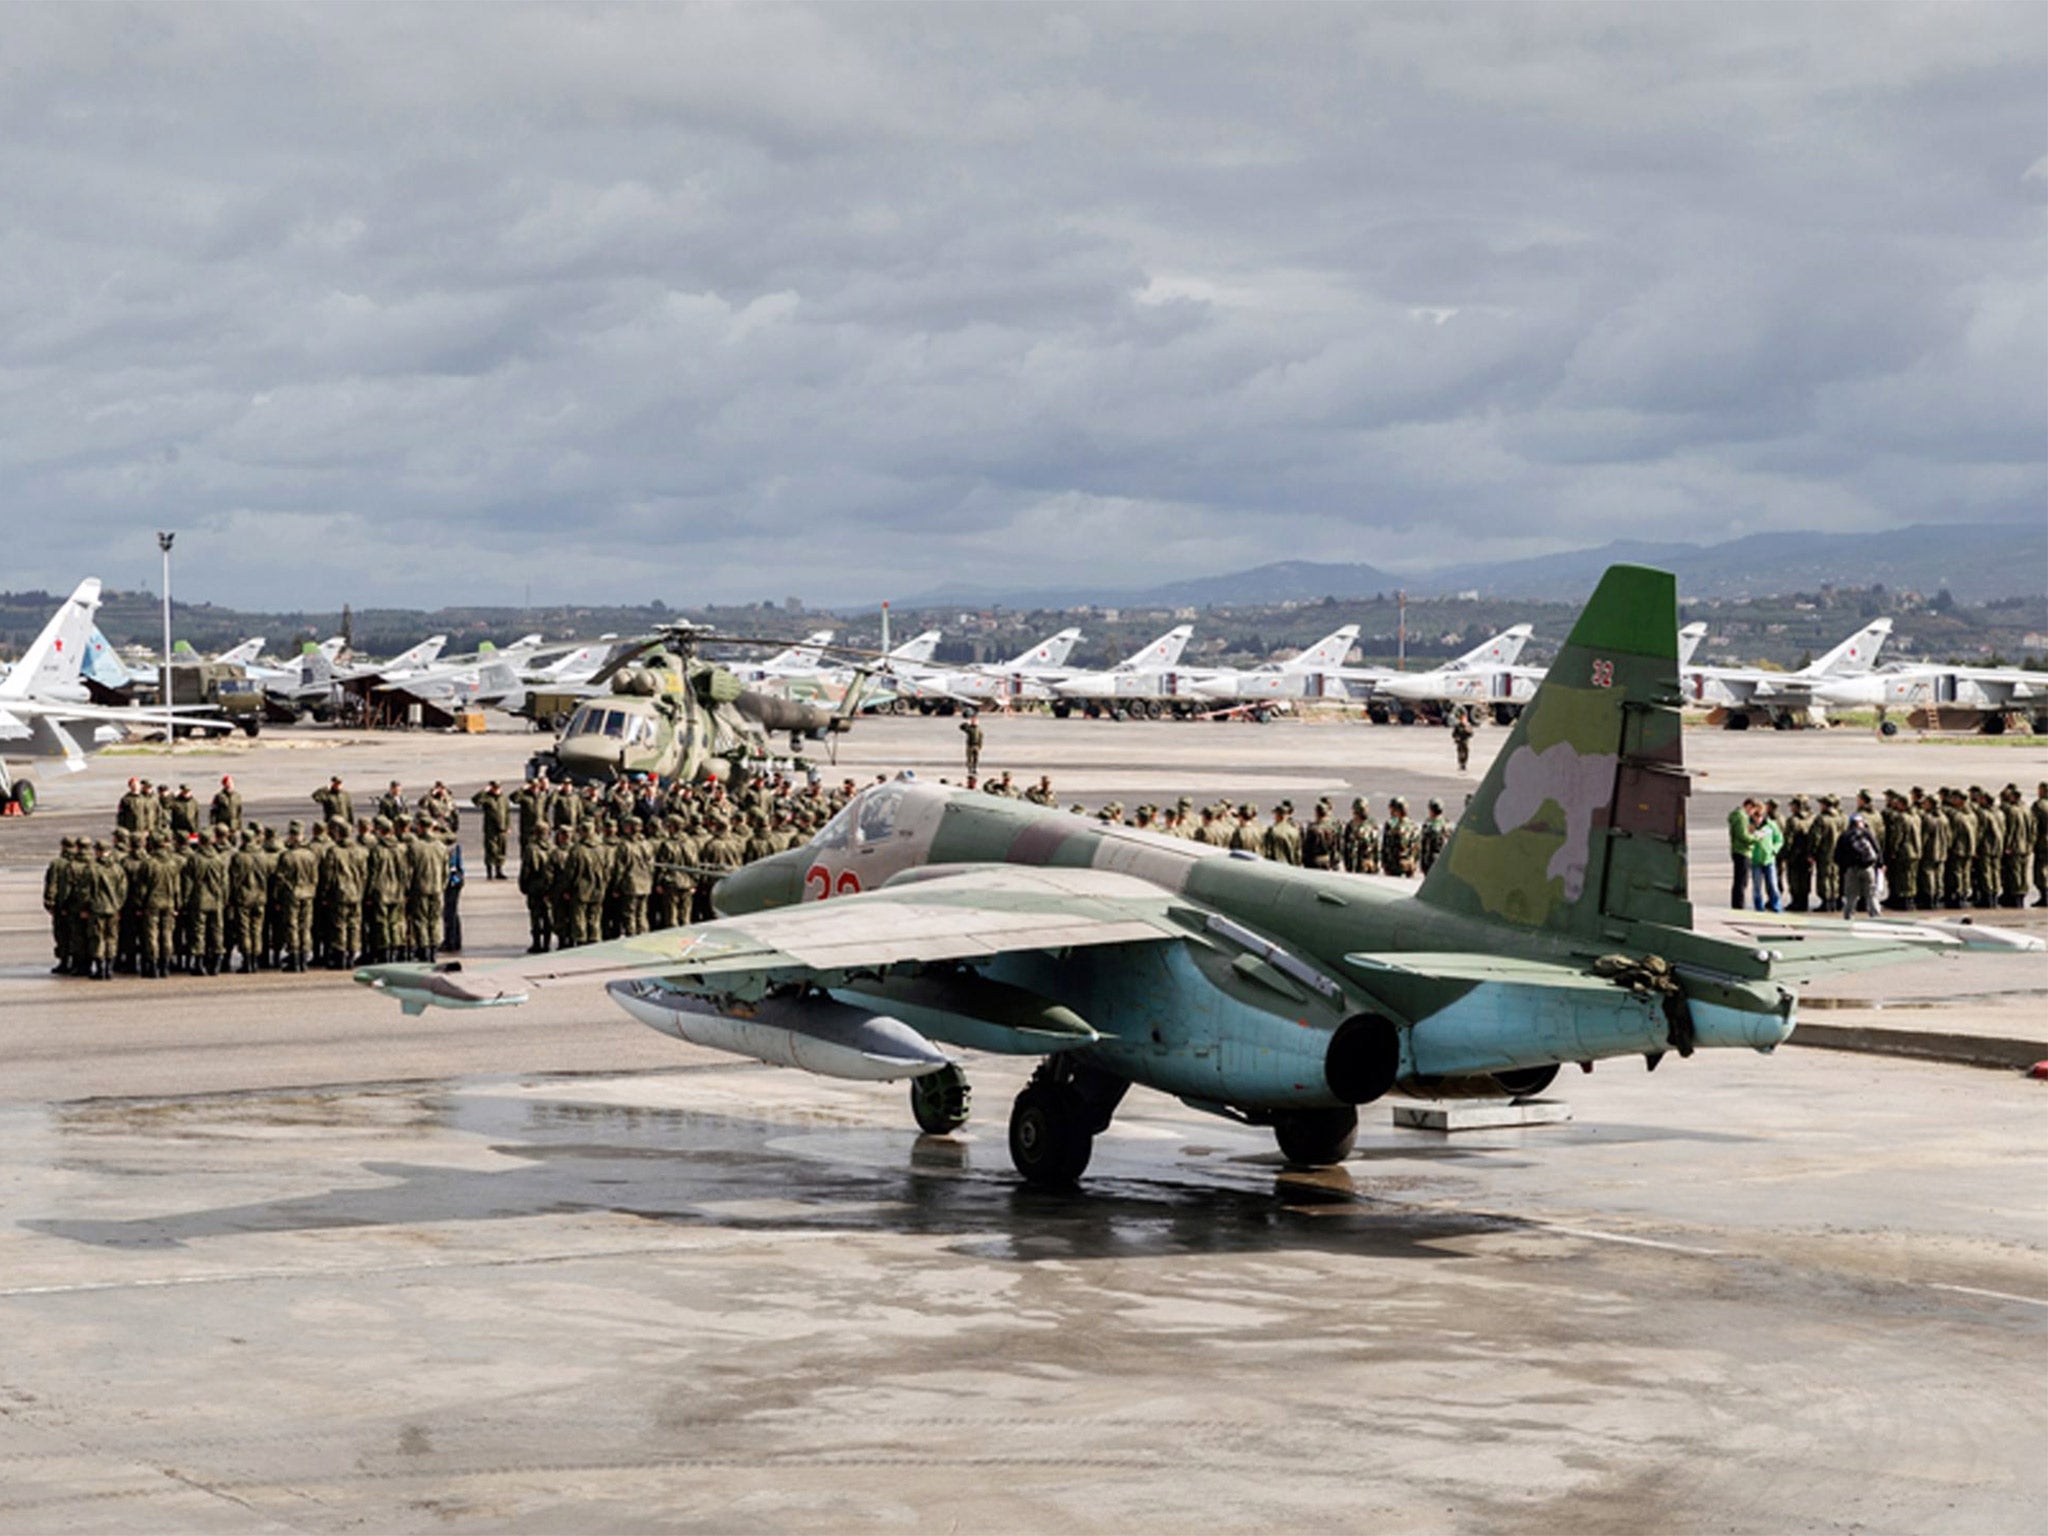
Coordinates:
(815,1033)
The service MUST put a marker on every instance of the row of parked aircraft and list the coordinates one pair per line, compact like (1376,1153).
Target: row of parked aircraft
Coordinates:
(72,692)
(1154,681)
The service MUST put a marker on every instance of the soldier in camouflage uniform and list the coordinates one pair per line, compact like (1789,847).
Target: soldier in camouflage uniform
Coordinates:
(2017,863)
(1798,860)
(497,814)
(1461,737)
(1933,852)
(226,810)
(1984,871)
(1901,851)
(536,881)
(294,884)
(248,886)
(1322,840)
(1400,841)
(1436,835)
(1361,839)
(1282,842)
(109,891)
(1962,848)
(1827,828)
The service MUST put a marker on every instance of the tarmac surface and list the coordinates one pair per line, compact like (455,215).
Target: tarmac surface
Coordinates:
(275,1257)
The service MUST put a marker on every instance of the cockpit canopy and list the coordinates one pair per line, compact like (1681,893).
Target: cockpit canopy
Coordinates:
(614,726)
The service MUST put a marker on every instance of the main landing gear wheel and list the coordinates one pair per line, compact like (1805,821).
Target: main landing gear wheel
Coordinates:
(940,1101)
(24,796)
(1316,1138)
(1049,1137)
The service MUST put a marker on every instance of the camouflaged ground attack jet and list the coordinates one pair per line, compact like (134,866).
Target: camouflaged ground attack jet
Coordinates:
(1555,928)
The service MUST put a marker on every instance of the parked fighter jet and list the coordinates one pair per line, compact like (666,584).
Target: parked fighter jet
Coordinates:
(1786,699)
(43,702)
(1947,698)
(1145,677)
(1315,674)
(321,685)
(1485,676)
(1554,928)
(1026,676)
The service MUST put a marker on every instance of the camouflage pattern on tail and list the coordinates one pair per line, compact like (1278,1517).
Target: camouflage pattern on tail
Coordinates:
(1581,819)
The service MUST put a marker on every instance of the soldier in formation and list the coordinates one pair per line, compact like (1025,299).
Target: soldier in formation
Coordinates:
(1949,848)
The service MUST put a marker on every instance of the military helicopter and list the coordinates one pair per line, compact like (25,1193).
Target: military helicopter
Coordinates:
(661,710)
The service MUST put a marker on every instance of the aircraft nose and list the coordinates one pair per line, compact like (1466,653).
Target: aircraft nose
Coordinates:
(777,881)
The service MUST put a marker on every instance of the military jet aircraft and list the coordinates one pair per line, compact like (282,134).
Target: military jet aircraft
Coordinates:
(1786,699)
(1554,928)
(44,702)
(1314,674)
(1029,675)
(1484,677)
(1943,698)
(1146,677)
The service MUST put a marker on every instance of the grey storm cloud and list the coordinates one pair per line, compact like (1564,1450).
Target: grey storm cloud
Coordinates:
(415,305)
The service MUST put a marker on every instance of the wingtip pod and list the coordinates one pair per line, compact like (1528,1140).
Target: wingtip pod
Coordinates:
(419,987)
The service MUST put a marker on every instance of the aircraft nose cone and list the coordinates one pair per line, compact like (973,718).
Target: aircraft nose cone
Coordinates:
(770,882)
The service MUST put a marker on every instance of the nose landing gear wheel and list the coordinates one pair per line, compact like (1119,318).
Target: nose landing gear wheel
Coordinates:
(940,1101)
(1050,1142)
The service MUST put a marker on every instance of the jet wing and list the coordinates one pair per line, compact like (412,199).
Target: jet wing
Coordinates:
(962,912)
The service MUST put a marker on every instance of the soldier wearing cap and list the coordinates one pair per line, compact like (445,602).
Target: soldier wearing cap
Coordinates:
(1901,851)
(1361,839)
(2017,864)
(1962,848)
(1041,793)
(392,807)
(1244,836)
(1461,736)
(1207,832)
(1400,840)
(248,886)
(107,893)
(1322,840)
(1436,834)
(334,801)
(536,883)
(1282,841)
(294,883)
(1984,870)
(1934,837)
(497,816)
(210,902)
(1827,827)
(56,902)
(426,890)
(1798,857)
(184,812)
(158,934)
(226,810)
(135,809)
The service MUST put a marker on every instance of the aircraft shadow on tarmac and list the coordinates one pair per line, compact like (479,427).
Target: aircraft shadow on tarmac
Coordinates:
(749,1175)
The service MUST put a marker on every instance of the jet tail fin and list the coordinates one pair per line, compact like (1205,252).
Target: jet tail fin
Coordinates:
(54,657)
(1327,653)
(1581,818)
(1855,655)
(1503,650)
(1689,639)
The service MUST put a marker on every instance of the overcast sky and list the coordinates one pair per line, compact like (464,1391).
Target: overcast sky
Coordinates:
(411,306)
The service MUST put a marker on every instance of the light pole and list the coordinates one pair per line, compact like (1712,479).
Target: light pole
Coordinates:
(163,677)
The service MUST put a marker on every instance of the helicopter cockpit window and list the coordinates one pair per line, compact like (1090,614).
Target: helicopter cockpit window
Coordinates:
(585,721)
(615,723)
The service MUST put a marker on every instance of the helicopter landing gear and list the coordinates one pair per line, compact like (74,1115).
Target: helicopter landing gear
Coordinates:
(941,1101)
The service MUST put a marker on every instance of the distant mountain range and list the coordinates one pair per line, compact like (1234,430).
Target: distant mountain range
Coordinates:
(1975,561)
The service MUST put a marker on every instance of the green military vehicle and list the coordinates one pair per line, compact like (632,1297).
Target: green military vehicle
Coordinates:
(222,686)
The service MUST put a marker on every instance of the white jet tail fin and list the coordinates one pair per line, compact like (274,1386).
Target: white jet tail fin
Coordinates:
(421,655)
(1503,650)
(241,655)
(1689,639)
(917,650)
(1855,655)
(316,667)
(1050,653)
(103,664)
(1326,653)
(332,647)
(1162,654)
(53,660)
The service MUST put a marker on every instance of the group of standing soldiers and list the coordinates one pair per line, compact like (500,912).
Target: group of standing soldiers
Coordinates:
(167,894)
(1952,849)
(636,856)
(1361,845)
